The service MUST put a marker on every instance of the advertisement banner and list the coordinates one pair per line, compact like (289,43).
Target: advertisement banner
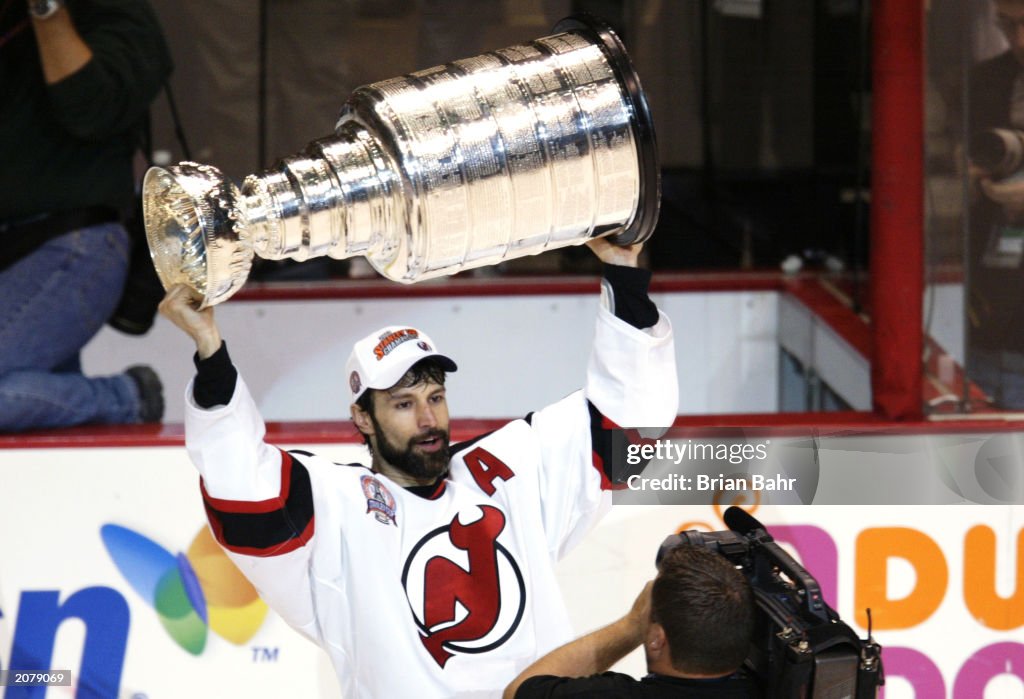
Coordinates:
(109,573)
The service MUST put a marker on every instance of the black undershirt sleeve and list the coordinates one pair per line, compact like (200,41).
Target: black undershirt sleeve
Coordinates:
(215,380)
(630,302)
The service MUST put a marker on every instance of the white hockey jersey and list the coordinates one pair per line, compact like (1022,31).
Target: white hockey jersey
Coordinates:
(449,595)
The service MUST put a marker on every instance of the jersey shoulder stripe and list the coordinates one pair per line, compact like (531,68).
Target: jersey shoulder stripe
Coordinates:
(268,527)
(462,446)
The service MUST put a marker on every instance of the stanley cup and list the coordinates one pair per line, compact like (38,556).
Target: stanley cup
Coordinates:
(510,153)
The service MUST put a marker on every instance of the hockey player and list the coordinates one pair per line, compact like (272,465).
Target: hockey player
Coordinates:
(429,573)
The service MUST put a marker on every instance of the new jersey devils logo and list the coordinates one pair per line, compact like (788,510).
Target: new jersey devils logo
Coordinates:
(465,590)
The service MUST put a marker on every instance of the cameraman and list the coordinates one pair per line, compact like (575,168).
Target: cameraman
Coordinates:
(695,621)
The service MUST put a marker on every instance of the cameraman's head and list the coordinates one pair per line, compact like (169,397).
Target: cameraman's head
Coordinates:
(702,615)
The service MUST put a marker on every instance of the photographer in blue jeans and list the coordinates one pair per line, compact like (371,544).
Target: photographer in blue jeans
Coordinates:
(78,77)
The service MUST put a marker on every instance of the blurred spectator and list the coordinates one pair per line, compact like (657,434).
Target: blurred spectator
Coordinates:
(995,338)
(78,78)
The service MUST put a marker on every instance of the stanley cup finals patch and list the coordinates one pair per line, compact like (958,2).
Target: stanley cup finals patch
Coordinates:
(379,500)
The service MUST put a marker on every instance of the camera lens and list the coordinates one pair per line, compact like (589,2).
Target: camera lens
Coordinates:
(1000,151)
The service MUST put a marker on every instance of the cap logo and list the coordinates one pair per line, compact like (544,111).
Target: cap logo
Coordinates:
(392,340)
(353,382)
(423,346)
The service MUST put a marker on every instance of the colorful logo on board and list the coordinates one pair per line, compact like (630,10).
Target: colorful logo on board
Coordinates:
(191,592)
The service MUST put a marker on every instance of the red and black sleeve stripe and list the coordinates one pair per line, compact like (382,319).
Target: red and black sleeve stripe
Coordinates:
(609,443)
(269,527)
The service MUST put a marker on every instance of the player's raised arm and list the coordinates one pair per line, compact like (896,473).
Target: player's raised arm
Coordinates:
(631,377)
(631,383)
(258,498)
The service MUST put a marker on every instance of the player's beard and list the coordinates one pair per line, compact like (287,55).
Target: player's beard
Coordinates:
(419,465)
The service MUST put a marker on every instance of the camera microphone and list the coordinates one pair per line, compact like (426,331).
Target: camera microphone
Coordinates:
(741,521)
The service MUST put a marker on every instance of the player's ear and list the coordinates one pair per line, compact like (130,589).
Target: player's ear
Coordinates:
(362,420)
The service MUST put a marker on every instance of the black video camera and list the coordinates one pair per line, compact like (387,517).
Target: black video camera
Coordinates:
(800,649)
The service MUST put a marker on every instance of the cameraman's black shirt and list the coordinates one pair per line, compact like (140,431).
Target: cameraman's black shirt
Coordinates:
(614,684)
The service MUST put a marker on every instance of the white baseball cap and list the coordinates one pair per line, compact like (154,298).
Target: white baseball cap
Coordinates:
(381,358)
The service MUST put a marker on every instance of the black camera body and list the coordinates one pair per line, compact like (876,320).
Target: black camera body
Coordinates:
(143,290)
(1000,152)
(800,649)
